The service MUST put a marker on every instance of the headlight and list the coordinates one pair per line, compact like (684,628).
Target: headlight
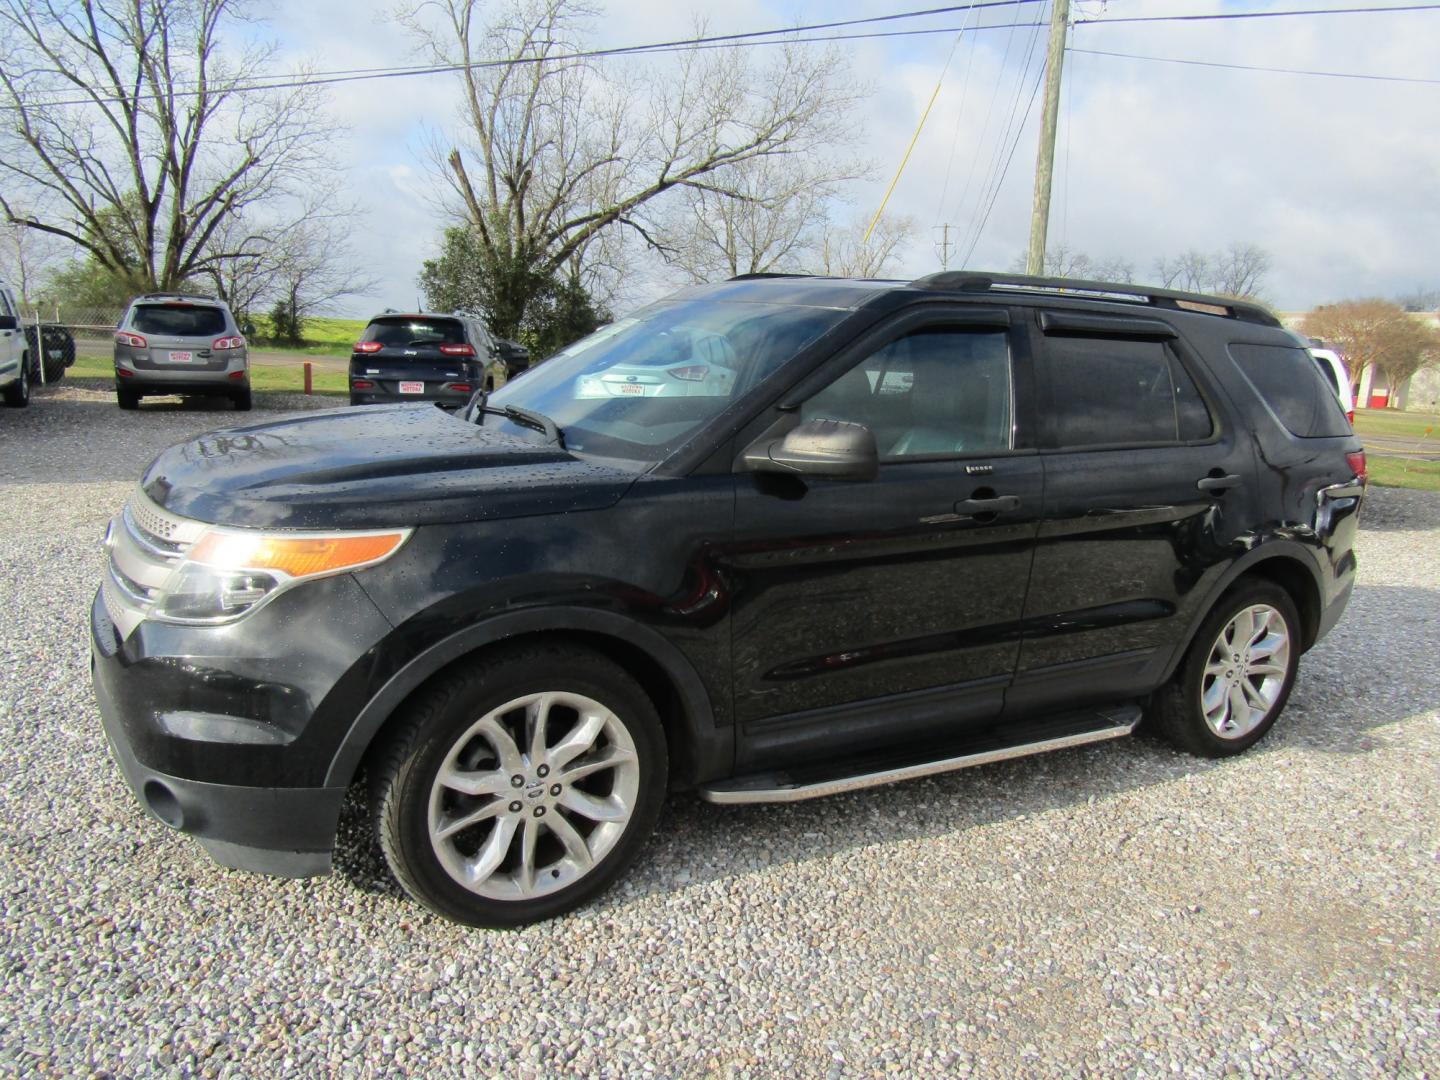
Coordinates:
(229,572)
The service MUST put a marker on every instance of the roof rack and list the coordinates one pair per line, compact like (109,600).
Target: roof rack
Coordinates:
(983,281)
(767,274)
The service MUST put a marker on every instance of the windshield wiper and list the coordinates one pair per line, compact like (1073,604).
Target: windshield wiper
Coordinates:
(476,411)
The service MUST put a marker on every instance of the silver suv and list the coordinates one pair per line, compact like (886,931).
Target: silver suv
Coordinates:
(170,343)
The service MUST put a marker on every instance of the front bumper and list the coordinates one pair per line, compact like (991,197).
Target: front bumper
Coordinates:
(287,829)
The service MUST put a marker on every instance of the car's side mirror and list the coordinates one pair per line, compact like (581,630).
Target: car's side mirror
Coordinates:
(9,322)
(836,449)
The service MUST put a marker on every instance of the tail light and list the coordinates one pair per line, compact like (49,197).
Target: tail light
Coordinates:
(135,341)
(236,375)
(1356,461)
(1350,415)
(456,350)
(368,346)
(461,387)
(690,373)
(236,342)
(124,373)
(362,384)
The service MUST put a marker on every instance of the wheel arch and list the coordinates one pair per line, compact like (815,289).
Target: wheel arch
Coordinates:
(1286,563)
(699,748)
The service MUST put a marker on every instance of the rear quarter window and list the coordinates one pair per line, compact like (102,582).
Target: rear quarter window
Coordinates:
(178,320)
(1288,382)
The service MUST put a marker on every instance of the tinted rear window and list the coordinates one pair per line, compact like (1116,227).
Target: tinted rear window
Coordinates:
(1285,377)
(178,320)
(1115,391)
(411,331)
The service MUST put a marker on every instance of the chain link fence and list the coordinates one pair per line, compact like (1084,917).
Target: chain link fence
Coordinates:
(54,335)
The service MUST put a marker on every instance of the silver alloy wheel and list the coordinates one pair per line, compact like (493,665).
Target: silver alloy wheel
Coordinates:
(1245,672)
(533,795)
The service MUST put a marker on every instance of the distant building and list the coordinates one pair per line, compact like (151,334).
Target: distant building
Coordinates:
(1420,391)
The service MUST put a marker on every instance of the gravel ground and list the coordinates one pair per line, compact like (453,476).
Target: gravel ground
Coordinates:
(1120,910)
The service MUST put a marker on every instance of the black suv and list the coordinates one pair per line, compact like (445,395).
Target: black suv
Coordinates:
(909,528)
(424,357)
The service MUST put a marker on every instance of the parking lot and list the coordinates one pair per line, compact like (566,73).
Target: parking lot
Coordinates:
(1116,910)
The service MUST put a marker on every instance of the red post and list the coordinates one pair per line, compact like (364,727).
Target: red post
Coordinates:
(309,388)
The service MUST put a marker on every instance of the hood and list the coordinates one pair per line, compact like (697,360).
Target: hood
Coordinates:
(373,467)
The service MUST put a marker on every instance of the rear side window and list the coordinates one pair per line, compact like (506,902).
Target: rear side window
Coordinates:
(178,320)
(1285,377)
(412,331)
(1329,373)
(1122,391)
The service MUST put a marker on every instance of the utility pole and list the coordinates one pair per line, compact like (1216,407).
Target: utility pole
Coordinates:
(945,246)
(1045,159)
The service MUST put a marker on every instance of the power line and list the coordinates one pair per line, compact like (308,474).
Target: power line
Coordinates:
(290,81)
(1227,15)
(1034,93)
(1255,67)
(995,174)
(774,36)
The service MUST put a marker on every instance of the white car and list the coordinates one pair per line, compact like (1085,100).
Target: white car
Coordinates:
(672,364)
(1336,377)
(14,353)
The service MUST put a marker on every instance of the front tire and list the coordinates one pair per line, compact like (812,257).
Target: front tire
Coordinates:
(17,394)
(517,789)
(1237,675)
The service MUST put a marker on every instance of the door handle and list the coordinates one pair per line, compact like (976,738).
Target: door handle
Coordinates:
(1000,504)
(1218,483)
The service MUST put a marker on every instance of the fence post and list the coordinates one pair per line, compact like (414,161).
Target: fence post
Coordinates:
(308,384)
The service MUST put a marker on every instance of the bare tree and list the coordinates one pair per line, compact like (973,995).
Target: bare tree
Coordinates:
(1375,333)
(846,252)
(1062,261)
(767,214)
(302,256)
(27,259)
(1238,270)
(556,151)
(126,133)
(1420,299)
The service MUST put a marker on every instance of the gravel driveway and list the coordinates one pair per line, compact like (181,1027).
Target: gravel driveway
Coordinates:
(1117,910)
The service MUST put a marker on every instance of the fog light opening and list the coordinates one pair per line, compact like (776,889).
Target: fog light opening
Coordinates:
(163,804)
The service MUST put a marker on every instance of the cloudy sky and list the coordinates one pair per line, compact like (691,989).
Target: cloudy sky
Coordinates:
(1335,178)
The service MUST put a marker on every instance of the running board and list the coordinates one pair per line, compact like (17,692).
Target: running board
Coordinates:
(1018,740)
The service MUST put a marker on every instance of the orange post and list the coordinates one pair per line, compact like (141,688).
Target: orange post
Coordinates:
(309,388)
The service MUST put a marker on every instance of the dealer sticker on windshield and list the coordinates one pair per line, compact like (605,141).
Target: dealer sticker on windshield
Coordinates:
(412,387)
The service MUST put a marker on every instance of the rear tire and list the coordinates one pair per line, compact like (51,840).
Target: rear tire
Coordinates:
(502,853)
(1237,674)
(243,400)
(127,399)
(17,394)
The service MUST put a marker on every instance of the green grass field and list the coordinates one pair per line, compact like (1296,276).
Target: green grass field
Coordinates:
(274,378)
(323,336)
(1405,473)
(1394,424)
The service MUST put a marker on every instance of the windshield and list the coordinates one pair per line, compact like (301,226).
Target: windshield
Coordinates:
(641,386)
(178,320)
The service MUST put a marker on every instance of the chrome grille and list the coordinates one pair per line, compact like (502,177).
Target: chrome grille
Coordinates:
(145,544)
